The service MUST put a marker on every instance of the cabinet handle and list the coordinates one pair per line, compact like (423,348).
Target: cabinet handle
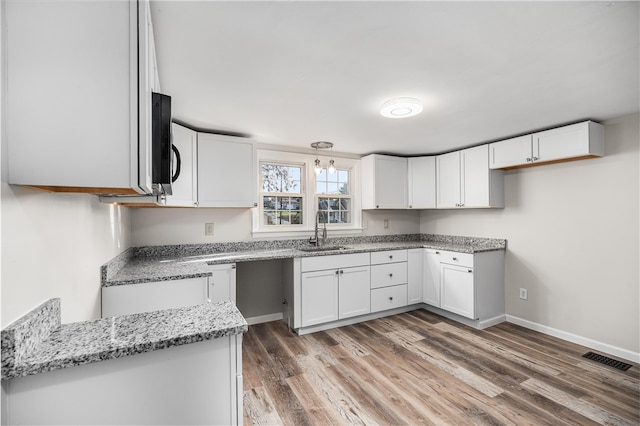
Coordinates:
(390,275)
(469,270)
(528,160)
(390,257)
(337,272)
(437,252)
(455,258)
(341,272)
(255,204)
(377,206)
(410,206)
(534,159)
(391,298)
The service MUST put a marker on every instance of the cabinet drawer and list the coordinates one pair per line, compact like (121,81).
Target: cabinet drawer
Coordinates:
(455,258)
(320,263)
(388,298)
(390,256)
(387,275)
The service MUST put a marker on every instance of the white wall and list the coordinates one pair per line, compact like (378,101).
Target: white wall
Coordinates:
(573,238)
(53,246)
(161,226)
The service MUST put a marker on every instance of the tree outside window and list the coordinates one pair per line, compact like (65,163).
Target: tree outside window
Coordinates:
(282,198)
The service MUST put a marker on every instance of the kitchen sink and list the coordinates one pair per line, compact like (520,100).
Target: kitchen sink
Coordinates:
(323,248)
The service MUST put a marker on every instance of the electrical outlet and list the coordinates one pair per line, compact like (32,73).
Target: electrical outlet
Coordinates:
(523,294)
(386,224)
(208,229)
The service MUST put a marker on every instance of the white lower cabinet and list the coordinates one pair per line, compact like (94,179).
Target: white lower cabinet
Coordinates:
(334,294)
(327,289)
(353,292)
(154,296)
(415,276)
(431,277)
(319,297)
(222,283)
(469,285)
(458,290)
(193,384)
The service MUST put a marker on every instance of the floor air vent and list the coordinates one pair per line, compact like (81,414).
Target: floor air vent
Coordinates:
(607,361)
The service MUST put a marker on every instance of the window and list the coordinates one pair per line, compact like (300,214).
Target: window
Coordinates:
(333,196)
(291,193)
(282,194)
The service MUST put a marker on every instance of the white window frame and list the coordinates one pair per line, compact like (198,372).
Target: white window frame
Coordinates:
(310,202)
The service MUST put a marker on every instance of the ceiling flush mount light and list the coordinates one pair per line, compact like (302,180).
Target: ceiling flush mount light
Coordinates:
(401,108)
(323,145)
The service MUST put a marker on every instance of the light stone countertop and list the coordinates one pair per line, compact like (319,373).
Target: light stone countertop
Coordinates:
(38,343)
(162,263)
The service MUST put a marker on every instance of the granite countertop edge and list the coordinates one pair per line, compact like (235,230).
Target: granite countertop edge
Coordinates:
(149,268)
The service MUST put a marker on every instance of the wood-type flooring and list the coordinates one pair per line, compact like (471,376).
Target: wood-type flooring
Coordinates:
(420,368)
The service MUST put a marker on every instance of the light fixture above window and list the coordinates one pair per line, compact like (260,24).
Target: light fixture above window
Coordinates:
(323,145)
(401,108)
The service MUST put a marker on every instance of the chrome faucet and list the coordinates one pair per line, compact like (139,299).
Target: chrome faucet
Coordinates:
(316,239)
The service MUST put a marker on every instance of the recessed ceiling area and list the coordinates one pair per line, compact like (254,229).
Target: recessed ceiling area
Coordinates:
(290,73)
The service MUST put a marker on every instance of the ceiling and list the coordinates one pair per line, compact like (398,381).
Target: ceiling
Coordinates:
(294,72)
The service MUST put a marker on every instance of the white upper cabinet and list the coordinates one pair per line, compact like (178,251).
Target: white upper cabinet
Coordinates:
(448,180)
(422,182)
(185,187)
(227,171)
(384,182)
(465,180)
(574,142)
(78,95)
(510,152)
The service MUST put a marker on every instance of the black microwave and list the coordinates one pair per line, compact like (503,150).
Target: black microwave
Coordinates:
(163,151)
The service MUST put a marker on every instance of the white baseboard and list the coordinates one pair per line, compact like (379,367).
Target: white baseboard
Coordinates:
(477,324)
(574,338)
(264,318)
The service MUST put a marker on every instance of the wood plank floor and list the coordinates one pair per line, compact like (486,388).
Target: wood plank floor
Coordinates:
(420,368)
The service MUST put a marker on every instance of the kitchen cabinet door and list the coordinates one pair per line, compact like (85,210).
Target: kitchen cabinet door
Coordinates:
(319,297)
(354,292)
(431,280)
(384,182)
(422,182)
(465,180)
(227,171)
(185,188)
(476,190)
(457,290)
(79,119)
(448,180)
(152,296)
(510,152)
(415,276)
(581,140)
(222,283)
